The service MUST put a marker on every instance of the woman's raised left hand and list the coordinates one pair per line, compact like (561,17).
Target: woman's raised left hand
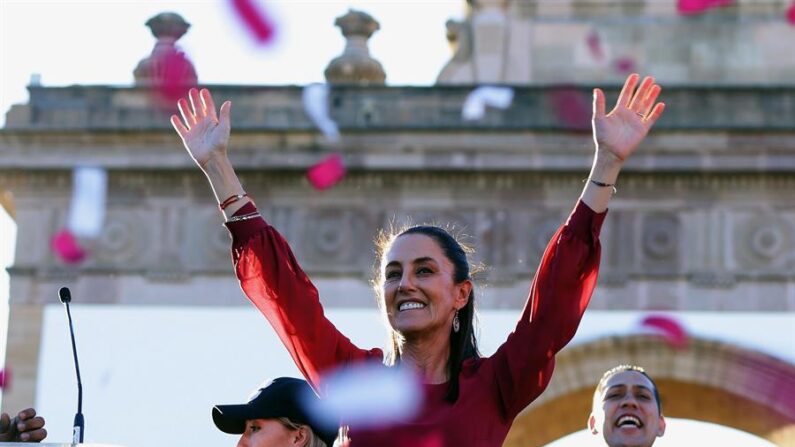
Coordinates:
(617,134)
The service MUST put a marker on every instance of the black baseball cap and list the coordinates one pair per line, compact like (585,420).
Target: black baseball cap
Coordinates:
(281,397)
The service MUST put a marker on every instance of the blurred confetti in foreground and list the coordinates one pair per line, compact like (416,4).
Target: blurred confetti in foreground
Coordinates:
(5,378)
(669,329)
(624,65)
(692,7)
(175,76)
(315,98)
(791,14)
(572,108)
(367,396)
(595,46)
(326,173)
(87,208)
(167,70)
(86,214)
(475,104)
(65,245)
(255,20)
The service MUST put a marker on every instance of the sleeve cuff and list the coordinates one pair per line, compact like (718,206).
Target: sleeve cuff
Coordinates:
(585,222)
(242,230)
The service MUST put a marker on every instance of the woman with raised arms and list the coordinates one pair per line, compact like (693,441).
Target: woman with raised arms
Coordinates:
(425,287)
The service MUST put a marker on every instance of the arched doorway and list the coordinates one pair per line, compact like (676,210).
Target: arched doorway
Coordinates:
(708,381)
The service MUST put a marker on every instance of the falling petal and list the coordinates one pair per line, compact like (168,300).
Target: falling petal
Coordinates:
(624,65)
(327,173)
(87,207)
(692,7)
(572,108)
(595,45)
(65,245)
(791,14)
(255,20)
(316,106)
(5,378)
(175,75)
(475,104)
(671,331)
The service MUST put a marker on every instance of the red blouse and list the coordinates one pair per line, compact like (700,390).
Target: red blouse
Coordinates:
(493,390)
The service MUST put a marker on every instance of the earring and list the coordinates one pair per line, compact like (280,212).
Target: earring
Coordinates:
(456,323)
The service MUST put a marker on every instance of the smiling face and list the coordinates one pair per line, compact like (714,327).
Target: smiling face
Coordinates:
(626,411)
(419,290)
(269,433)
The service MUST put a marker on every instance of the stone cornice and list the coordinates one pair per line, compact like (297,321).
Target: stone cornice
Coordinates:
(465,151)
(96,108)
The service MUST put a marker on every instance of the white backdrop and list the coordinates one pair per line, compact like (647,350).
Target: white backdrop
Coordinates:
(152,374)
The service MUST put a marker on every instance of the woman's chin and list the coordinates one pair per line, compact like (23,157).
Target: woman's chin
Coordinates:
(409,326)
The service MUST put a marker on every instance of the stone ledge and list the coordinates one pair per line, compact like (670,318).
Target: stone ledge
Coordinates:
(97,108)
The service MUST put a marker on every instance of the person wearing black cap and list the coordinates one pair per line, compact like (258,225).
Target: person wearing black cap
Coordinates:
(274,416)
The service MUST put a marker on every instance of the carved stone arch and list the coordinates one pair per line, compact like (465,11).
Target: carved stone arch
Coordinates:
(708,381)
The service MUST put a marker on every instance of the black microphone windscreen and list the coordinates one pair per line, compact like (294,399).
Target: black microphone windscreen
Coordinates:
(64,295)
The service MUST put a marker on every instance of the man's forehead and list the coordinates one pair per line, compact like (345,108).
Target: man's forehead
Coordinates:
(628,379)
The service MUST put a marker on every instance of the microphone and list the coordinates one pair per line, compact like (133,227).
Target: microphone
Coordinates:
(79,425)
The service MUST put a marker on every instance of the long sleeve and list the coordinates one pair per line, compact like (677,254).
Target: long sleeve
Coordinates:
(558,297)
(273,281)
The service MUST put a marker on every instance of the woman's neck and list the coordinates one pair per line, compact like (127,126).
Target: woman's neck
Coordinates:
(428,356)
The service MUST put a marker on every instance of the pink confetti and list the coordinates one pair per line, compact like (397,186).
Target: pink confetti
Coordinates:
(668,328)
(5,378)
(692,7)
(65,245)
(595,45)
(255,20)
(572,108)
(175,76)
(624,65)
(791,14)
(327,173)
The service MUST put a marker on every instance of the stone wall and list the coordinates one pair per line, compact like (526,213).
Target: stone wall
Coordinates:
(703,220)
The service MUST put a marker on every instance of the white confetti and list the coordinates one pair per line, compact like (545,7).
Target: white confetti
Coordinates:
(315,99)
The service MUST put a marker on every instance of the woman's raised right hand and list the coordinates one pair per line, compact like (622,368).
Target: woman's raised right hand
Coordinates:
(204,135)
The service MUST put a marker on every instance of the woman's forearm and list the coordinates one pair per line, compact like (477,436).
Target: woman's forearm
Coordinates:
(224,182)
(605,170)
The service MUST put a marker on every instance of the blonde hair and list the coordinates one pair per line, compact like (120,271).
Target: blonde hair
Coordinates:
(314,439)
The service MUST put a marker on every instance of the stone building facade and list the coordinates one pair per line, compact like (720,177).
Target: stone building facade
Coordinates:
(704,218)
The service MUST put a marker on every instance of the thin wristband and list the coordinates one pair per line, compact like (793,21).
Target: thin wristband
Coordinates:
(231,200)
(604,185)
(243,217)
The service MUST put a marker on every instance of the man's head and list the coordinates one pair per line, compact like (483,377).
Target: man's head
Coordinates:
(626,408)
(274,417)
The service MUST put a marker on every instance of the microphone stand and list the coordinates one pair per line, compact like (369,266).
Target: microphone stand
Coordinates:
(79,424)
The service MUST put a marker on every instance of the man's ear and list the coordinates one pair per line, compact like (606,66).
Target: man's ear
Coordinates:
(661,428)
(592,425)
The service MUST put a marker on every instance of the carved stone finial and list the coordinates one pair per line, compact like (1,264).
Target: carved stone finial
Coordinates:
(167,62)
(354,65)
